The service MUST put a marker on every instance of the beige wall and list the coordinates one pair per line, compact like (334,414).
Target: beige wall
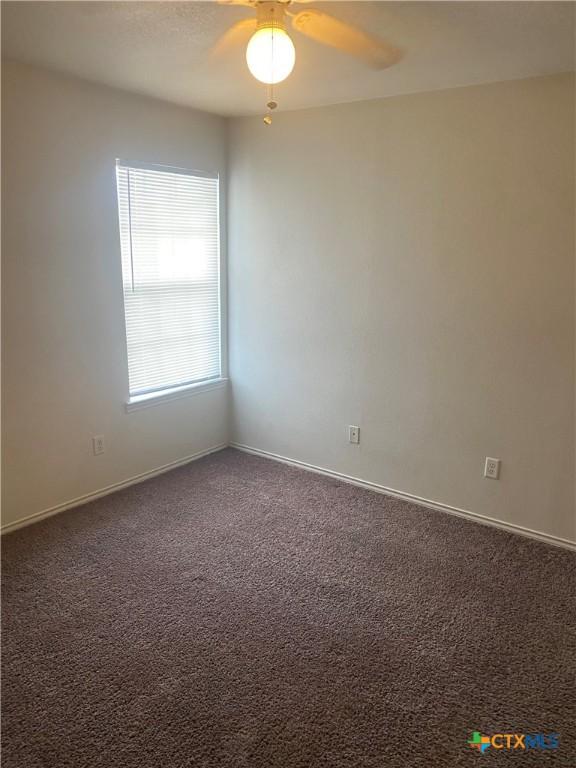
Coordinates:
(407,265)
(404,264)
(64,357)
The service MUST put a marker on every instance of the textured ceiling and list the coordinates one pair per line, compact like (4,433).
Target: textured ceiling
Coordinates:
(163,48)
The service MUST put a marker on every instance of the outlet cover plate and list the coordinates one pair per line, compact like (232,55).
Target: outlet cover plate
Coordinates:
(492,468)
(353,434)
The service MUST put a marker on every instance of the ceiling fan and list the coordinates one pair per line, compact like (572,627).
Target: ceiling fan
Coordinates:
(270,53)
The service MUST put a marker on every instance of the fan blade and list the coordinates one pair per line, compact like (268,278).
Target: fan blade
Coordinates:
(330,31)
(236,35)
(249,3)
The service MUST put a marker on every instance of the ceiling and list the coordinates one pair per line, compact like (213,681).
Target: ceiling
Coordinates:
(162,49)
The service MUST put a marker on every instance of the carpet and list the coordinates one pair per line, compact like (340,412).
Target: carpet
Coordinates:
(237,612)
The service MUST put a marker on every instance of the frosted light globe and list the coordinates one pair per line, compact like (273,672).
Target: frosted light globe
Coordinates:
(270,55)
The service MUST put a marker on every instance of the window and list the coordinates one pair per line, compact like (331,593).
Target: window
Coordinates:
(169,233)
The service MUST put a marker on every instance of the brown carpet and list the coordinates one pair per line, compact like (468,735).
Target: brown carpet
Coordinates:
(238,612)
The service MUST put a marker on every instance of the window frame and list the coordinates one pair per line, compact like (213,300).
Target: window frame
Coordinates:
(178,391)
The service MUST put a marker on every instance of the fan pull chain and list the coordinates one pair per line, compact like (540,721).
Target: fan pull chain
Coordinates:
(272,104)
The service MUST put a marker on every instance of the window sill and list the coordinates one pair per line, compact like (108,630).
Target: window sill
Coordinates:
(175,393)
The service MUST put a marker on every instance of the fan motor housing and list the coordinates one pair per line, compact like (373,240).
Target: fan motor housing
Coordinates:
(270,14)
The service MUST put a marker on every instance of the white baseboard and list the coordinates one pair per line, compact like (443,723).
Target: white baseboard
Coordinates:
(482,519)
(475,517)
(78,501)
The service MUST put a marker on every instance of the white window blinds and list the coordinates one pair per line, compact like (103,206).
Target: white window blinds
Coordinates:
(169,235)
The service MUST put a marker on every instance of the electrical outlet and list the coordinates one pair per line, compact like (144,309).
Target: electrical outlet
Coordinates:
(492,468)
(353,434)
(98,444)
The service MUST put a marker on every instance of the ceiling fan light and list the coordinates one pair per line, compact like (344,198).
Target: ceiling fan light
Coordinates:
(270,55)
